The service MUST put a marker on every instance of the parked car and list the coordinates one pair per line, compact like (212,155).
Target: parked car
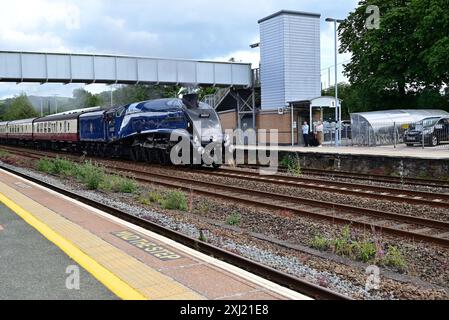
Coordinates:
(435,131)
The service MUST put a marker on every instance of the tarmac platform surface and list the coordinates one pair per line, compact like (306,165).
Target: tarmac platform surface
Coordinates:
(31,267)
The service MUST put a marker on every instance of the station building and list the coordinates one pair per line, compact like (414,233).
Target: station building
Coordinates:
(287,86)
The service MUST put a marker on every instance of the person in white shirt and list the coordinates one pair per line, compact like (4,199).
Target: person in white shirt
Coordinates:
(320,133)
(305,133)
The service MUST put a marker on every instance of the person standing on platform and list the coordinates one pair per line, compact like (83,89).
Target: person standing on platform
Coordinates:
(305,133)
(320,133)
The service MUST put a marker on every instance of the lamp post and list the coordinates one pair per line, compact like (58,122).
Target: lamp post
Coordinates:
(337,104)
(56,102)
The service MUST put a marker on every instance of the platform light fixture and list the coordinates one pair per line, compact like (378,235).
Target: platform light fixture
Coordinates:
(337,104)
(254,45)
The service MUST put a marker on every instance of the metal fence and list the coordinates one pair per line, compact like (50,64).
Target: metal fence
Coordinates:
(429,133)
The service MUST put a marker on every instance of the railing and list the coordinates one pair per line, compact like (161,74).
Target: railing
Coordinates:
(214,100)
(433,134)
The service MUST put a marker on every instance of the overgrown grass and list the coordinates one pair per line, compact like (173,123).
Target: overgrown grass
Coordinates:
(365,251)
(395,259)
(91,175)
(292,163)
(175,200)
(44,165)
(202,237)
(119,184)
(320,243)
(4,154)
(153,197)
(234,219)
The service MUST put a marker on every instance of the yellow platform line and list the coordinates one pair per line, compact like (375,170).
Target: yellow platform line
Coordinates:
(120,288)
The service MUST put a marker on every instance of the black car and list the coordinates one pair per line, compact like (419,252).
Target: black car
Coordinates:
(435,130)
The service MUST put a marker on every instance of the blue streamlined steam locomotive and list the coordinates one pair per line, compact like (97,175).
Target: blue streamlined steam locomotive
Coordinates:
(140,131)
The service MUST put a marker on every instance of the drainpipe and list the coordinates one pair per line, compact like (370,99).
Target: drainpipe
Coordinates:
(293,123)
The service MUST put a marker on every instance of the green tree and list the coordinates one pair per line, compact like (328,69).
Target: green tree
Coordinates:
(2,110)
(19,108)
(404,62)
(205,91)
(85,99)
(137,93)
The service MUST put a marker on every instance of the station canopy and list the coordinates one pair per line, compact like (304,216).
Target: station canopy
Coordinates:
(383,127)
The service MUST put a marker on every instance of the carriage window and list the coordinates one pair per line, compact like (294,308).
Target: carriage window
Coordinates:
(68,127)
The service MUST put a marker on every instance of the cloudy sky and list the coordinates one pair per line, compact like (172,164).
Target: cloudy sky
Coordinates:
(197,29)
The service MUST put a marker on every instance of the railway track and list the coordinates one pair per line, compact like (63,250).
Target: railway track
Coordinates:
(415,228)
(273,275)
(373,177)
(363,190)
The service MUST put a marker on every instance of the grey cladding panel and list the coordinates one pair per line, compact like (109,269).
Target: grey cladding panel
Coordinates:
(148,70)
(126,69)
(82,68)
(58,67)
(33,66)
(10,65)
(104,68)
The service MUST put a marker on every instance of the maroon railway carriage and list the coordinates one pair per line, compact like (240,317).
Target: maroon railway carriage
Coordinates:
(57,131)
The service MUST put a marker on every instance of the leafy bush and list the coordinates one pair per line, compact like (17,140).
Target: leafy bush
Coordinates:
(175,200)
(343,245)
(89,174)
(366,251)
(44,165)
(234,219)
(61,167)
(293,164)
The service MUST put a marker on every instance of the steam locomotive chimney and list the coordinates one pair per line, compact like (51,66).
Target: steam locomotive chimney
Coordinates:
(191,100)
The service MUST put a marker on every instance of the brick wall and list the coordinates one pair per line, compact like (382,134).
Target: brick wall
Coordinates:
(228,120)
(275,121)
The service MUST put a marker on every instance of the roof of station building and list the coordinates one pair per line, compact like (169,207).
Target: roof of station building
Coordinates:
(290,12)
